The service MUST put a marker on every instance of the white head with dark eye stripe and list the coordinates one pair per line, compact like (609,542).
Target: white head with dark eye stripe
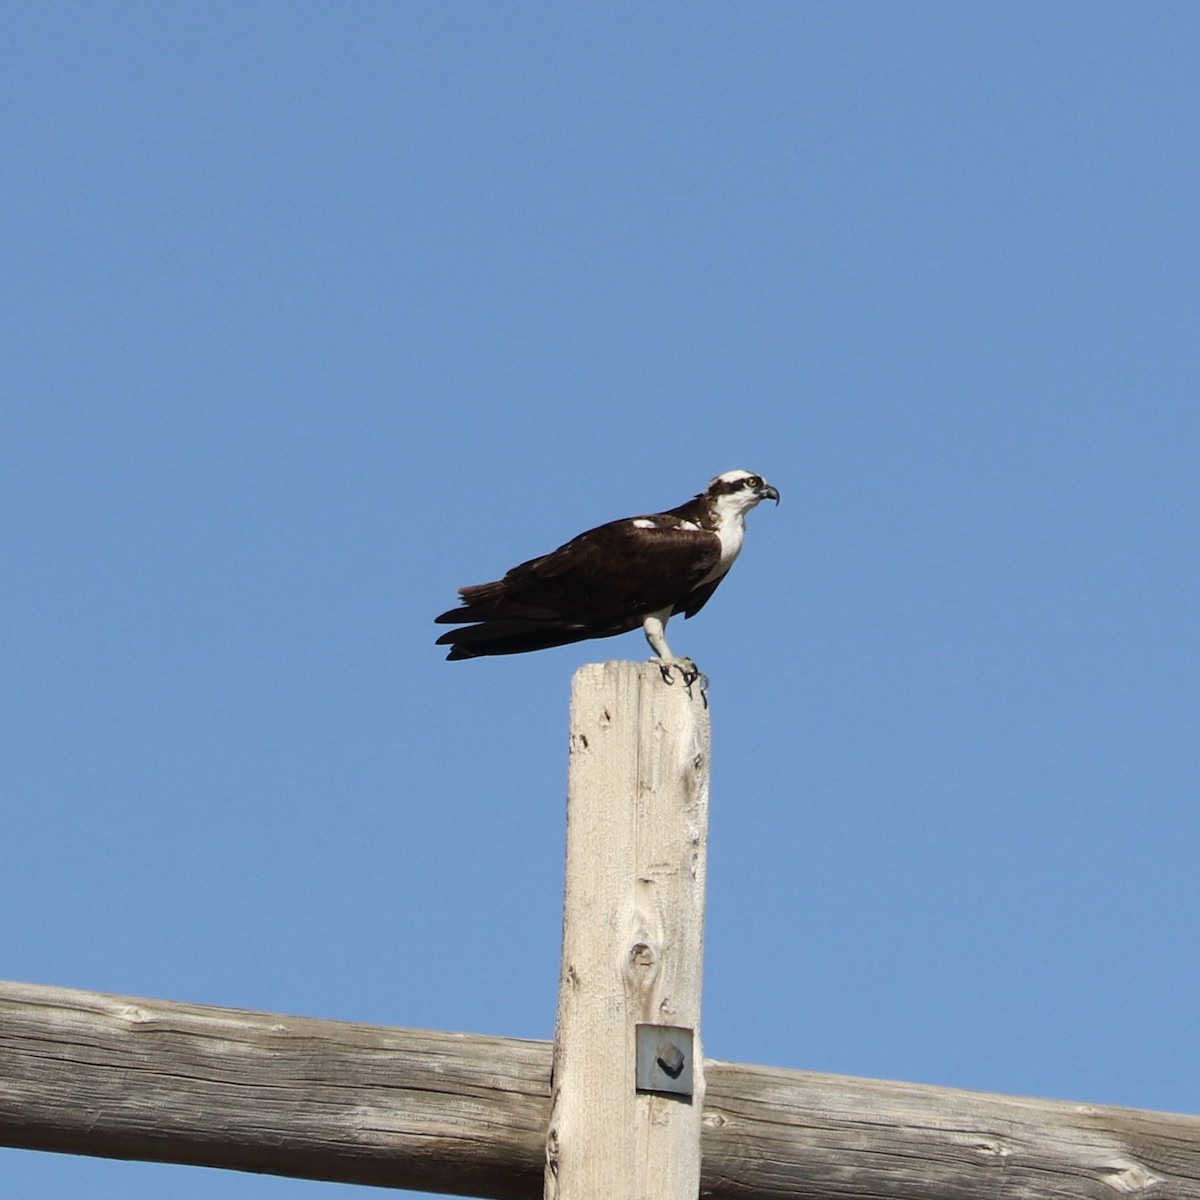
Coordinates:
(736,492)
(729,498)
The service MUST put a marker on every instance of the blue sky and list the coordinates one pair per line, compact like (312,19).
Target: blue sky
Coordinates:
(314,313)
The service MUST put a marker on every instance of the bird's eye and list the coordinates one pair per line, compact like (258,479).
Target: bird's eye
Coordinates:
(753,481)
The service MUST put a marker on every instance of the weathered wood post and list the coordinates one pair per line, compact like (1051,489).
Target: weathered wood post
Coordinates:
(628,1084)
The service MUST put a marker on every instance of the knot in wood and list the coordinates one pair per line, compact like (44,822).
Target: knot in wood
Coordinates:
(1129,1177)
(642,957)
(992,1148)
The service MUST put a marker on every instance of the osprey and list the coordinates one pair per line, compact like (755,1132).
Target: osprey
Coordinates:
(639,571)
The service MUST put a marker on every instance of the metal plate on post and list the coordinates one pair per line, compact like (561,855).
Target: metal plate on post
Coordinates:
(664,1060)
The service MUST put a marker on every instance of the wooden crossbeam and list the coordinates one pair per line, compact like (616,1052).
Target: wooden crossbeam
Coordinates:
(127,1078)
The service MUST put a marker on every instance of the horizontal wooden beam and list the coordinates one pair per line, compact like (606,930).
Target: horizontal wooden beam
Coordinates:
(85,1073)
(117,1077)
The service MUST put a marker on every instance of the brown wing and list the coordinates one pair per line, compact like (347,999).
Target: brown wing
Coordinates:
(699,598)
(596,585)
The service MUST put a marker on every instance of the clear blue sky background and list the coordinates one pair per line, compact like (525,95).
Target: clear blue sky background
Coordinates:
(315,312)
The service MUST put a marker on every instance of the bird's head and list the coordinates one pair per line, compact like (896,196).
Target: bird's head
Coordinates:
(737,492)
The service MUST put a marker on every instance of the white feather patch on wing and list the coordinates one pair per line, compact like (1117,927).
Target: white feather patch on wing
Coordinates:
(664,523)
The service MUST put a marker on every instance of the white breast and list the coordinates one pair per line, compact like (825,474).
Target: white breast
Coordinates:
(729,514)
(732,532)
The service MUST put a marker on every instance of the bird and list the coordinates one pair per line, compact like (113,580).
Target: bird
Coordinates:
(637,571)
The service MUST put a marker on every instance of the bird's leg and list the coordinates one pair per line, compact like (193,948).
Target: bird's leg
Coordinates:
(655,628)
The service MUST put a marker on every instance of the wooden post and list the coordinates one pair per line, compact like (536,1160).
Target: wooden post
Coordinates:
(633,921)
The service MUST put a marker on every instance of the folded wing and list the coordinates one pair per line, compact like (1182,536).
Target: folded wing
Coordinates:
(599,584)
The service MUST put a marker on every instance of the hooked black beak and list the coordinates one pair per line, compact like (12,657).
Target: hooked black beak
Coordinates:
(767,492)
